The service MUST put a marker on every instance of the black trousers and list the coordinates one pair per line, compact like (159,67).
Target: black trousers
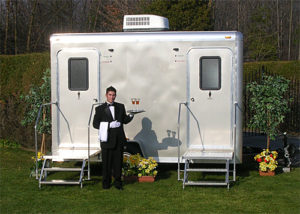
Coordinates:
(112,162)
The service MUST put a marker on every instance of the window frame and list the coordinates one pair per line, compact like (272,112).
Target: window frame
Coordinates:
(219,73)
(70,72)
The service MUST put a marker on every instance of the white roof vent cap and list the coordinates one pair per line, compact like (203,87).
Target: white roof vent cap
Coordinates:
(145,23)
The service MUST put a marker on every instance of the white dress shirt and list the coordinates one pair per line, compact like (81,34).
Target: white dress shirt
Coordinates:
(112,110)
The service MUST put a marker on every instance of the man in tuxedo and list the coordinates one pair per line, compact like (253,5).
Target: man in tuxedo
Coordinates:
(112,150)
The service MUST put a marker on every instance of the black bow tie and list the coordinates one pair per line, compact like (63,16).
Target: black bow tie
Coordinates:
(110,104)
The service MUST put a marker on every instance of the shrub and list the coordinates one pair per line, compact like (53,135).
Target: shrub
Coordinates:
(5,143)
(268,104)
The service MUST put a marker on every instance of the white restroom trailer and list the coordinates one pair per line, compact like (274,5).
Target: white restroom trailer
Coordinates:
(189,85)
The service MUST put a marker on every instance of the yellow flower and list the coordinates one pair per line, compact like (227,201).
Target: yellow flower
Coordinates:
(39,155)
(263,166)
(139,166)
(267,160)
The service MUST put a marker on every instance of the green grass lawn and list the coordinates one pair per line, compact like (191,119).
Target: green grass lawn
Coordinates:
(250,194)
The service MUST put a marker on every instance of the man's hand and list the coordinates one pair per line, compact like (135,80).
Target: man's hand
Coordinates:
(114,124)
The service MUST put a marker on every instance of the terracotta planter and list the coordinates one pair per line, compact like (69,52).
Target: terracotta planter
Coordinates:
(267,173)
(131,178)
(148,179)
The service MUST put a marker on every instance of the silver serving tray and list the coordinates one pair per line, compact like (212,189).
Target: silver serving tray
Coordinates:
(135,111)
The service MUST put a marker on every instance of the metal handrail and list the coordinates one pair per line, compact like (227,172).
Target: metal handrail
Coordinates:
(234,143)
(178,138)
(92,108)
(178,130)
(35,135)
(198,125)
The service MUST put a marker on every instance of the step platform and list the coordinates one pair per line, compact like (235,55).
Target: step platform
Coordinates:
(201,154)
(64,155)
(62,182)
(211,156)
(71,155)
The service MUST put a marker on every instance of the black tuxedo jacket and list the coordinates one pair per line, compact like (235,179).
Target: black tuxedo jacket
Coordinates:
(115,135)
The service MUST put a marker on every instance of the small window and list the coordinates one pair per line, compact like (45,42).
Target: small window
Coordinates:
(210,73)
(78,74)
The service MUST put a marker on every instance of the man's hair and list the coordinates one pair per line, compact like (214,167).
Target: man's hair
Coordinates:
(110,88)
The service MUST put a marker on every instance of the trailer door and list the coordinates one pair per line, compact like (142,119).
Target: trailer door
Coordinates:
(210,98)
(77,89)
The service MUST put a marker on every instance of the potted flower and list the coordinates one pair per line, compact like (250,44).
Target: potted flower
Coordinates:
(130,167)
(135,167)
(147,170)
(269,106)
(267,162)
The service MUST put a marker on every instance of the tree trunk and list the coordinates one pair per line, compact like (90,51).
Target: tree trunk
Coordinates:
(84,22)
(71,16)
(30,26)
(290,30)
(210,3)
(238,16)
(90,16)
(15,22)
(96,16)
(268,134)
(278,30)
(299,51)
(43,146)
(6,25)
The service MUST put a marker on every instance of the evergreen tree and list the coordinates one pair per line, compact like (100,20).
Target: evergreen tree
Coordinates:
(262,44)
(183,15)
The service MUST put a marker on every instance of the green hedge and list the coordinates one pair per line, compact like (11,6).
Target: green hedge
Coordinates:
(20,71)
(17,74)
(287,69)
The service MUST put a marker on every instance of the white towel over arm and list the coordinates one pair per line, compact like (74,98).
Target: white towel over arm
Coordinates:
(103,131)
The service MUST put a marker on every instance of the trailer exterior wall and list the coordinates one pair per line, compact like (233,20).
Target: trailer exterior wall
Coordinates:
(152,67)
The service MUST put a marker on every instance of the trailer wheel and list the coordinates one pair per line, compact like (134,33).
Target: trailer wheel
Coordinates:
(132,148)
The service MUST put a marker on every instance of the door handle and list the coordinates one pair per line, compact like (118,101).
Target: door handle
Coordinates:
(192,99)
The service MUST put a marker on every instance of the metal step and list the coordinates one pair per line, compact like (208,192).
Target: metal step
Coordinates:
(60,182)
(60,169)
(206,170)
(206,183)
(198,154)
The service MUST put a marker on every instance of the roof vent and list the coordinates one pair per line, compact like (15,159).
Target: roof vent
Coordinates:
(145,23)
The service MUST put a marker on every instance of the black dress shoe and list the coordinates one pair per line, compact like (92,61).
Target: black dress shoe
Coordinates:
(105,187)
(119,187)
(118,184)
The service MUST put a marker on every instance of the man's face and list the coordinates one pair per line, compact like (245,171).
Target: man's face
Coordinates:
(110,96)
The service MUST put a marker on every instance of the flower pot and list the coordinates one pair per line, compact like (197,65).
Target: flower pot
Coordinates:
(267,173)
(130,179)
(148,179)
